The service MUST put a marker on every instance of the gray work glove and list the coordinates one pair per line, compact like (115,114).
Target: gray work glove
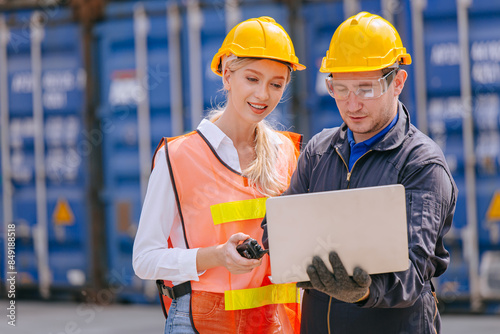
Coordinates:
(337,284)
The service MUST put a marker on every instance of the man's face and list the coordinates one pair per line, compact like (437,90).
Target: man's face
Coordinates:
(363,113)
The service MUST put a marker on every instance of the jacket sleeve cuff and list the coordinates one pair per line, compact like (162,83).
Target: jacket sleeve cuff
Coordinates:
(369,302)
(373,297)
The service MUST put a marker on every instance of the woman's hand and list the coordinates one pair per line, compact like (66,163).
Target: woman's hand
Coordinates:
(227,256)
(232,260)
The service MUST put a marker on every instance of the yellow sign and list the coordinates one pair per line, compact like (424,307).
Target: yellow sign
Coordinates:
(494,209)
(62,213)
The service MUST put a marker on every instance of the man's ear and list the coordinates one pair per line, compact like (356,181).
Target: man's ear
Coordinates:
(399,81)
(226,79)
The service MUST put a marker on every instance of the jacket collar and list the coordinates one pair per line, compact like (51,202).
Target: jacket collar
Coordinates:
(389,141)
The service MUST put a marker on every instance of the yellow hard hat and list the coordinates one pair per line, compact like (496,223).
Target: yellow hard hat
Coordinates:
(364,42)
(258,38)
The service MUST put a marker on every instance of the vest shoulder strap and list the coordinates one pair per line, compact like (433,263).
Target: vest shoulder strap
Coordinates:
(163,142)
(295,138)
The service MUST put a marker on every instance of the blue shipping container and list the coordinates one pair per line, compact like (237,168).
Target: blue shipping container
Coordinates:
(64,239)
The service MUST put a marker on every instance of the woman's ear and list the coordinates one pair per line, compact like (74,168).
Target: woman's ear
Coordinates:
(399,81)
(226,79)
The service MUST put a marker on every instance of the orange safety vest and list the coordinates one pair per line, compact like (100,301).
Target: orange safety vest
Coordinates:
(215,202)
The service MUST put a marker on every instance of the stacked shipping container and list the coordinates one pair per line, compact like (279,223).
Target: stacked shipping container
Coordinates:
(45,149)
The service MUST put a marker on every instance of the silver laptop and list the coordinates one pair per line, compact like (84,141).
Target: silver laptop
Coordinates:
(366,226)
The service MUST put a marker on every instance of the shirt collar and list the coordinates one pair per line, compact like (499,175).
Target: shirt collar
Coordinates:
(212,133)
(216,136)
(369,142)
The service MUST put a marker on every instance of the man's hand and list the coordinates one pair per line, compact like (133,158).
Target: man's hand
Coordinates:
(337,284)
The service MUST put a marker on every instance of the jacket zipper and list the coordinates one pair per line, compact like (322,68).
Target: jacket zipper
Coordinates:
(348,184)
(347,166)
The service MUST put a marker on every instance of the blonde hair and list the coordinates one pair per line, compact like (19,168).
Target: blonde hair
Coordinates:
(263,172)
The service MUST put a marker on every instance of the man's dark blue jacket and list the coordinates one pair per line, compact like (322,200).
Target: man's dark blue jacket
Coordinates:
(400,302)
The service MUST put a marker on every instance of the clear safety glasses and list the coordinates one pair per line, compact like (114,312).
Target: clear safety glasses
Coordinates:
(364,89)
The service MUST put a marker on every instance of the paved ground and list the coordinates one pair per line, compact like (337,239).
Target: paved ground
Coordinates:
(81,318)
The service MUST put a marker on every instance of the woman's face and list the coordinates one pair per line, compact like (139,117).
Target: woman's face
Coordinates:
(255,89)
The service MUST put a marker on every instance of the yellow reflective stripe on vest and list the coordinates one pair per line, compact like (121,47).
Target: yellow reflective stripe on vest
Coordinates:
(238,210)
(265,295)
